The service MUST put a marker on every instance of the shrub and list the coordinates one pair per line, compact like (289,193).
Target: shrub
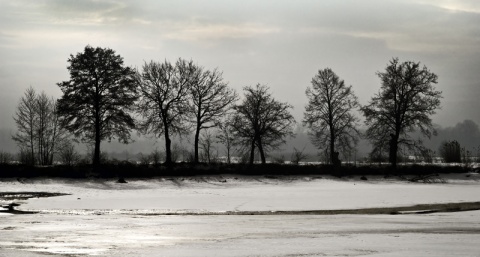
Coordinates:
(156,157)
(279,159)
(450,151)
(428,155)
(298,155)
(25,157)
(68,155)
(5,157)
(144,159)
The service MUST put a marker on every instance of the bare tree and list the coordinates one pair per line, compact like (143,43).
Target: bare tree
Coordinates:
(43,109)
(49,132)
(207,145)
(67,153)
(329,115)
(406,100)
(298,155)
(227,136)
(98,98)
(39,131)
(156,157)
(210,100)
(144,159)
(163,104)
(25,118)
(261,121)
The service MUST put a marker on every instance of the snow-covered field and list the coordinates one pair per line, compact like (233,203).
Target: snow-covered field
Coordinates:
(101,217)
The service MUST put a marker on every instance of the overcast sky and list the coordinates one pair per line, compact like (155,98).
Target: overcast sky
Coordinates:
(278,43)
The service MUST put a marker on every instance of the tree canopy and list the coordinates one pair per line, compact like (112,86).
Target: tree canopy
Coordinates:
(405,102)
(98,98)
(163,104)
(211,98)
(328,114)
(261,121)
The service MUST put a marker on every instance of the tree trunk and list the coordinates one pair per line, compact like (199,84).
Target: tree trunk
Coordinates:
(252,152)
(333,156)
(52,148)
(96,154)
(208,152)
(197,138)
(32,146)
(260,149)
(168,150)
(39,148)
(228,153)
(393,150)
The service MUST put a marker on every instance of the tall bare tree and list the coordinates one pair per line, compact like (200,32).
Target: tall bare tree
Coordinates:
(163,104)
(26,118)
(406,100)
(39,129)
(98,98)
(329,116)
(261,121)
(210,100)
(49,132)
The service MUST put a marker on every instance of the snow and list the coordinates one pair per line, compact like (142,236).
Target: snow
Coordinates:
(104,218)
(242,194)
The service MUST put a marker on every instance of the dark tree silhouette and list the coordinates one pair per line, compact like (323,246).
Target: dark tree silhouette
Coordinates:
(98,98)
(406,100)
(50,134)
(39,134)
(450,151)
(25,118)
(210,100)
(329,116)
(261,121)
(163,104)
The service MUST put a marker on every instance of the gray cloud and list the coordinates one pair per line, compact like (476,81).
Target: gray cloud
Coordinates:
(88,12)
(279,43)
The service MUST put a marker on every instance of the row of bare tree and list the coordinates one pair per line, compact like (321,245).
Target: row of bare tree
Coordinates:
(39,134)
(406,101)
(104,100)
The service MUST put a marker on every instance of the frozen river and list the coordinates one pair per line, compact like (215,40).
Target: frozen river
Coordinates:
(103,218)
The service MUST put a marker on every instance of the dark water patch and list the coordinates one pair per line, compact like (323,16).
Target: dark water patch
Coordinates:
(11,197)
(8,196)
(403,210)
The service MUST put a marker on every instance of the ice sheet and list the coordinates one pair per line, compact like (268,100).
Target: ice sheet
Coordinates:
(101,218)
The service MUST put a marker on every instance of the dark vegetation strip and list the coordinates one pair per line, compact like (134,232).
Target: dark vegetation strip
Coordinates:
(414,209)
(23,195)
(130,170)
(405,210)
